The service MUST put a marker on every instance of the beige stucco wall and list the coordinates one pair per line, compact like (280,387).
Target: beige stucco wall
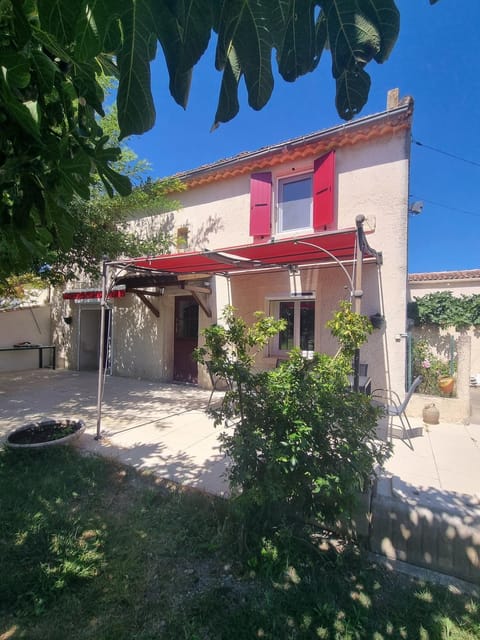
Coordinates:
(439,338)
(457,287)
(372,179)
(142,344)
(66,336)
(20,325)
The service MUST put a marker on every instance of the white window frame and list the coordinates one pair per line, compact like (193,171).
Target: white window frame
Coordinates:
(279,182)
(274,310)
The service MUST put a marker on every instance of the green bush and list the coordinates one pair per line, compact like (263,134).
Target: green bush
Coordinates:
(429,366)
(301,443)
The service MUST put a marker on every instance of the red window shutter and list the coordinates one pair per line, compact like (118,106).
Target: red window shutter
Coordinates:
(261,205)
(323,191)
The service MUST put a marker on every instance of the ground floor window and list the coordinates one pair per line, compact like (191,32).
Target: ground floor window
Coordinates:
(300,329)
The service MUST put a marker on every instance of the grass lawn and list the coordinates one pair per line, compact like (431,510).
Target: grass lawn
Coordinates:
(91,549)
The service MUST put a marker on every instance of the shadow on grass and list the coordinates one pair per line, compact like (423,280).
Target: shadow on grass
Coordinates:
(92,549)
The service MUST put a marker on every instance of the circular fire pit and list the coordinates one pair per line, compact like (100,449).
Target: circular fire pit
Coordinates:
(45,433)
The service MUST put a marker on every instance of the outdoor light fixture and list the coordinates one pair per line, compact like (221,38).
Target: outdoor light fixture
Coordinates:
(416,208)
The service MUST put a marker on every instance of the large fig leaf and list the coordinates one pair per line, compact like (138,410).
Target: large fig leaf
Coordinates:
(244,26)
(358,32)
(183,28)
(353,39)
(136,111)
(294,34)
(228,104)
(352,92)
(385,15)
(60,18)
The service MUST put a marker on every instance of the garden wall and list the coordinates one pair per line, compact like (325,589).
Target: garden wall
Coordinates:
(454,409)
(30,324)
(439,339)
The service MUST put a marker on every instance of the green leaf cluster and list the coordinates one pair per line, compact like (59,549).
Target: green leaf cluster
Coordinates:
(101,229)
(54,54)
(443,309)
(51,143)
(351,329)
(301,443)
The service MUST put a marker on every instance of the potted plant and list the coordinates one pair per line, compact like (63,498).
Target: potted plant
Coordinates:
(446,384)
(435,372)
(377,320)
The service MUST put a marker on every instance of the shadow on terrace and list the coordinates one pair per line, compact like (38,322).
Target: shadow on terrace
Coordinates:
(151,425)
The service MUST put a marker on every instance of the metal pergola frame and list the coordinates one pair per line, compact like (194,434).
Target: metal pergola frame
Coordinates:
(349,245)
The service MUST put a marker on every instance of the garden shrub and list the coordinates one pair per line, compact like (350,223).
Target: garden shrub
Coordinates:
(443,309)
(301,443)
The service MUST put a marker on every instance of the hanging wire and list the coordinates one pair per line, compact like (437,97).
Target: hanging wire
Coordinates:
(445,153)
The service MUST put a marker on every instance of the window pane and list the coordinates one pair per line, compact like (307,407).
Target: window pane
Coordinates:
(187,319)
(285,338)
(295,204)
(307,326)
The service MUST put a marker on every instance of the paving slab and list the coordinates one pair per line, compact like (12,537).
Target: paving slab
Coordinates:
(165,422)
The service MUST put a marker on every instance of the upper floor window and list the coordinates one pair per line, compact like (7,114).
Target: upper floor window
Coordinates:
(295,203)
(305,201)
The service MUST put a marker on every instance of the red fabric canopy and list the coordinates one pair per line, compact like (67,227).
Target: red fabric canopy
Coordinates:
(311,249)
(92,294)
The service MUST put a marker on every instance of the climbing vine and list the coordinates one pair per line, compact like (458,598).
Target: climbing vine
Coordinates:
(443,309)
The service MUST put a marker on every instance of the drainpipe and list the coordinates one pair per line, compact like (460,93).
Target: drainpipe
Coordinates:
(101,360)
(357,292)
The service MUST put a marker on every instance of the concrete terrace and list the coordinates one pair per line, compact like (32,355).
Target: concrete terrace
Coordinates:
(150,425)
(429,488)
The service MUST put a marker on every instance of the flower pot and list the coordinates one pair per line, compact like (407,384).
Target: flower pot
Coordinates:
(431,414)
(378,321)
(446,384)
(45,433)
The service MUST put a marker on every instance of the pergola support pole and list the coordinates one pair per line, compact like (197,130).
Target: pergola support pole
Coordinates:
(101,359)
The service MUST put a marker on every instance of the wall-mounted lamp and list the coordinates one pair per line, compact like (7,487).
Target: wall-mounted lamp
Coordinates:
(416,208)
(68,319)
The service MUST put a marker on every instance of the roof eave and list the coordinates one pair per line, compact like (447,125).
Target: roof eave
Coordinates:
(347,134)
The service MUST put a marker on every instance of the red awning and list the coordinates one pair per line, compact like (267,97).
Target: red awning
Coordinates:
(92,294)
(311,249)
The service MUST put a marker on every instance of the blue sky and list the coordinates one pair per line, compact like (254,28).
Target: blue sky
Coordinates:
(435,61)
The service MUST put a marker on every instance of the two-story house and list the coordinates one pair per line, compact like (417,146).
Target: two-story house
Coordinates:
(290,229)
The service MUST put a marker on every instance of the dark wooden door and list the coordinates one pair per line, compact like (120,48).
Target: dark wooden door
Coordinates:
(186,339)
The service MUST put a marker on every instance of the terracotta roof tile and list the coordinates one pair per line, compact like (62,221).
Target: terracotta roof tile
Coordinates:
(469,274)
(320,142)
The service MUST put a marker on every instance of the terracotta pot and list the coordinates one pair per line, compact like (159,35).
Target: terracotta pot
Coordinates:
(446,384)
(431,414)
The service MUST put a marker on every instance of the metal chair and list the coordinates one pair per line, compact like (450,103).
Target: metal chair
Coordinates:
(364,382)
(394,407)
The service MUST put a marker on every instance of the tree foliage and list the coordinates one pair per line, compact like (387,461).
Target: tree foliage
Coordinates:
(301,443)
(427,363)
(51,143)
(101,229)
(53,52)
(443,309)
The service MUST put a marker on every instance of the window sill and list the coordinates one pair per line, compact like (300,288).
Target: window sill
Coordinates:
(292,233)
